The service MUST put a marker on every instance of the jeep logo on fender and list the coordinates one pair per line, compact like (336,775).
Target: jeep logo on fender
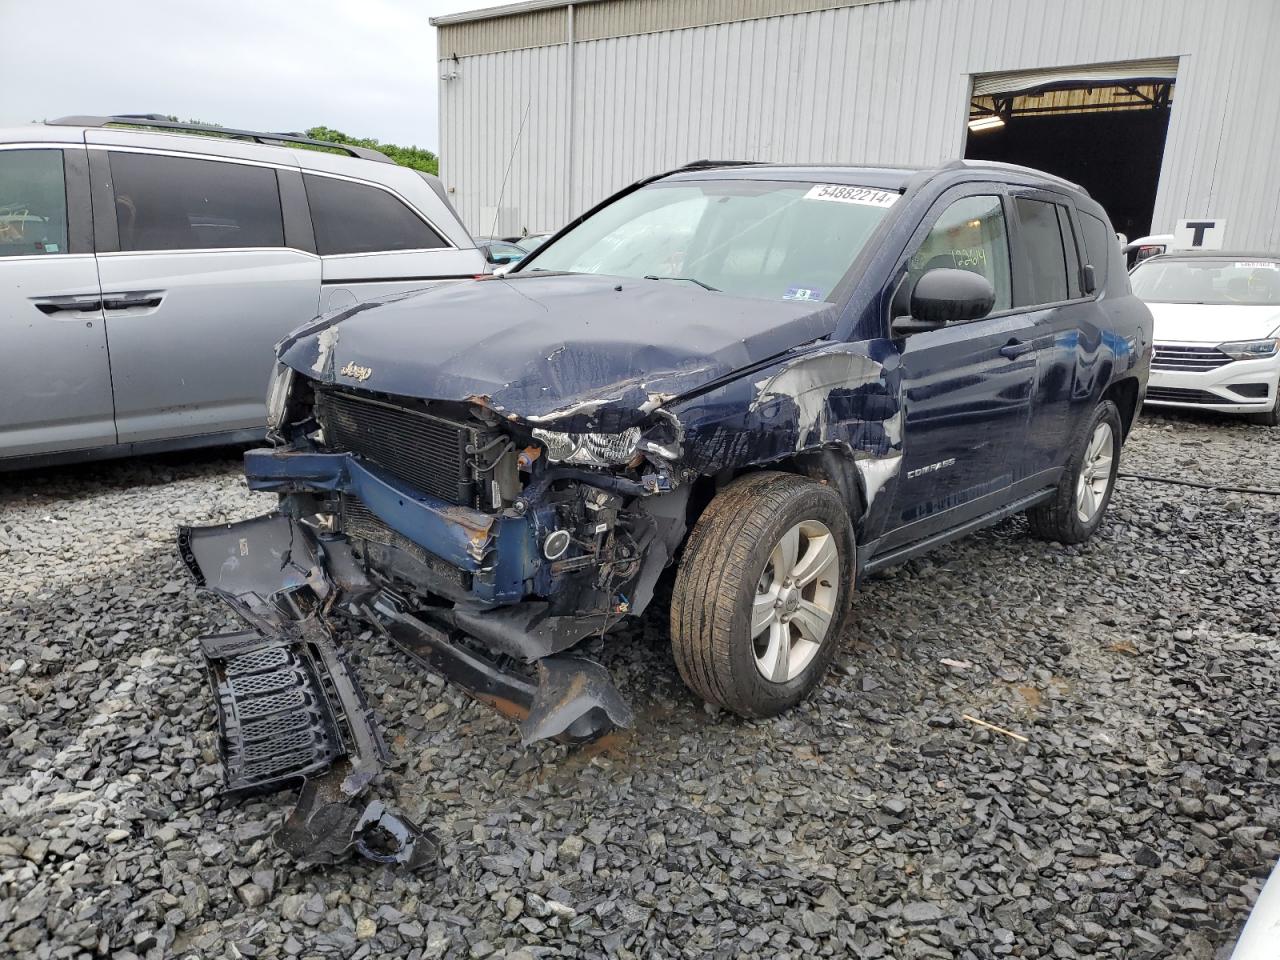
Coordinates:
(356,372)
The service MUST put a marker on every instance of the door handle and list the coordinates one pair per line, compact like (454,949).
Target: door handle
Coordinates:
(1016,348)
(53,305)
(125,301)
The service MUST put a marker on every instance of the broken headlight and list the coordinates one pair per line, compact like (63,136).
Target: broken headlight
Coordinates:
(590,449)
(278,396)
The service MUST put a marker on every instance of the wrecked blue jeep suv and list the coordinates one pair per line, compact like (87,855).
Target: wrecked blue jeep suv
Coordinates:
(767,380)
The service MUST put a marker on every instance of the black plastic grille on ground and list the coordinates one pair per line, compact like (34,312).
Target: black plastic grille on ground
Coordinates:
(275,722)
(257,661)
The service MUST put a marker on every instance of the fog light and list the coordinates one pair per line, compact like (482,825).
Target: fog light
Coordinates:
(556,544)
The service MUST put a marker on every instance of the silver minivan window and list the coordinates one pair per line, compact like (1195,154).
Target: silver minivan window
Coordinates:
(354,218)
(33,203)
(182,203)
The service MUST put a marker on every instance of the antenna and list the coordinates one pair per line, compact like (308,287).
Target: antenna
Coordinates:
(502,190)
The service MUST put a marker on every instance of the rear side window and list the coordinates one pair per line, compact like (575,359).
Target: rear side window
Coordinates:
(1100,244)
(1046,255)
(33,203)
(353,218)
(179,203)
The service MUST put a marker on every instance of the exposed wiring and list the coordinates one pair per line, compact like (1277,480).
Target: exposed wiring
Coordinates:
(1197,483)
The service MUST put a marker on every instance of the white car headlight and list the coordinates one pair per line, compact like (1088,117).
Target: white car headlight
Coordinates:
(1249,349)
(278,395)
(590,449)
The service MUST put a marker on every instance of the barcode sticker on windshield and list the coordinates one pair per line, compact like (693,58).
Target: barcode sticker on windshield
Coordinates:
(841,193)
(1256,265)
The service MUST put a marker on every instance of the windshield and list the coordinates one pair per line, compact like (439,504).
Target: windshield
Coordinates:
(771,240)
(1208,280)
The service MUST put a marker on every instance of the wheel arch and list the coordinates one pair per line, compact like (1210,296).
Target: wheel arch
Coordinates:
(1124,394)
(830,466)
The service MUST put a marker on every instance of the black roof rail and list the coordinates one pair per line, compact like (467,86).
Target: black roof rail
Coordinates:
(162,122)
(708,164)
(997,166)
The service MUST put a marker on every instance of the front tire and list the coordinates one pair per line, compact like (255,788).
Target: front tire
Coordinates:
(1084,492)
(762,593)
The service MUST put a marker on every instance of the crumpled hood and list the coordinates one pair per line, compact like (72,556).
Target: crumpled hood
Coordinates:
(587,352)
(1212,323)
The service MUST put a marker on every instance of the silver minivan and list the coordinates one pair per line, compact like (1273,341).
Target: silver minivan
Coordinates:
(146,274)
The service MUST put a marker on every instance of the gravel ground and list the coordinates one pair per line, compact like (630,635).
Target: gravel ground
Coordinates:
(1136,820)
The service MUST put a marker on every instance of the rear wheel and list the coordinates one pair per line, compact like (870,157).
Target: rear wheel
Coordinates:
(1084,492)
(762,592)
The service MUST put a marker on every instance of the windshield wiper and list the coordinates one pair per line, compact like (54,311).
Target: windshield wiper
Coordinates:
(704,286)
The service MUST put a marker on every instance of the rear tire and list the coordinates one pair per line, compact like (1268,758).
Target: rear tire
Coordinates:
(762,593)
(1084,492)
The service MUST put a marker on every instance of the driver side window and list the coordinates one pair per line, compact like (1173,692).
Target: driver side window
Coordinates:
(970,235)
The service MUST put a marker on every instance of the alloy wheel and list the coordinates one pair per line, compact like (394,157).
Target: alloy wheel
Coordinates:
(795,601)
(1095,473)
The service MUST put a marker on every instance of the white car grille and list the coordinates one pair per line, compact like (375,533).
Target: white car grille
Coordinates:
(1172,356)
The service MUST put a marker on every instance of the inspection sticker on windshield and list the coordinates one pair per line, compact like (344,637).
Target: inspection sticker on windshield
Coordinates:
(1256,265)
(841,193)
(802,293)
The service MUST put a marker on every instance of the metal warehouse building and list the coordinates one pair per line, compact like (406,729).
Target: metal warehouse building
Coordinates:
(1162,109)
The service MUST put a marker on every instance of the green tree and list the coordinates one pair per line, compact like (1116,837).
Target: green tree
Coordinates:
(414,157)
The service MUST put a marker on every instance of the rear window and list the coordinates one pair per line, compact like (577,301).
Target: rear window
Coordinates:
(353,218)
(33,203)
(180,203)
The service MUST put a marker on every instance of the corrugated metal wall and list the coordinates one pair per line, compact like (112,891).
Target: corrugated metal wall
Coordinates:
(880,82)
(481,113)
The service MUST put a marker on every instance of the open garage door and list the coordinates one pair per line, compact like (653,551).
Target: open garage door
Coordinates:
(1100,125)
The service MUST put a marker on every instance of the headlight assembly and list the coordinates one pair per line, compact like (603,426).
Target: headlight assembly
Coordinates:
(590,449)
(1249,349)
(278,396)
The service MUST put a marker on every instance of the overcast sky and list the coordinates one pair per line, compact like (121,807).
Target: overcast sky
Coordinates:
(365,67)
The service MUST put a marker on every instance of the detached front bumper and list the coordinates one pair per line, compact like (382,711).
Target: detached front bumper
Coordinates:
(290,708)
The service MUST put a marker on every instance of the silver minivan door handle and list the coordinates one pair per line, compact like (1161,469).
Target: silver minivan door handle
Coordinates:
(133,300)
(54,305)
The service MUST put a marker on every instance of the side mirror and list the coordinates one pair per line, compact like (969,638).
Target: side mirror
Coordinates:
(503,270)
(1088,280)
(944,296)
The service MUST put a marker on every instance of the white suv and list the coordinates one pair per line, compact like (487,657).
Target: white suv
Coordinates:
(145,274)
(1217,320)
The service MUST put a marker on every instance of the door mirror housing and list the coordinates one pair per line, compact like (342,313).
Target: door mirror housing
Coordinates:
(944,296)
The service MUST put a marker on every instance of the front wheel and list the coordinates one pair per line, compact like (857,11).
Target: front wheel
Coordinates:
(762,592)
(1084,492)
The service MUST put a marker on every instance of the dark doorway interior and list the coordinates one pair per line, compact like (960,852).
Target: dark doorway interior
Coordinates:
(1115,154)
